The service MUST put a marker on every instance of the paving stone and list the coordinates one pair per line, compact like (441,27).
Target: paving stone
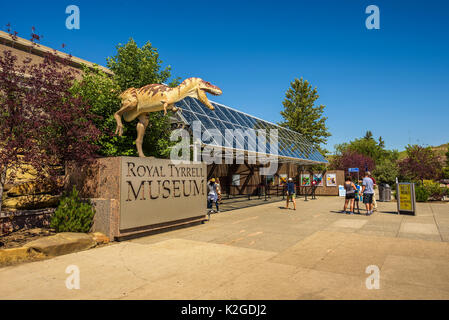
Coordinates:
(420,236)
(417,271)
(349,223)
(419,228)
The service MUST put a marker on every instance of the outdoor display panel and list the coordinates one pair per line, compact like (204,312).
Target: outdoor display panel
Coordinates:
(292,145)
(331,180)
(318,178)
(406,197)
(305,180)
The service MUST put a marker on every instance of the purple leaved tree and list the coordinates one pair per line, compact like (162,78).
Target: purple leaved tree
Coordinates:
(42,124)
(352,159)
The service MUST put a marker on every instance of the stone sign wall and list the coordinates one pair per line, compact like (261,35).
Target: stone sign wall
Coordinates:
(134,195)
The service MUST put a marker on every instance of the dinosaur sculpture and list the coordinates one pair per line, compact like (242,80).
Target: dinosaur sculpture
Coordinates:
(138,103)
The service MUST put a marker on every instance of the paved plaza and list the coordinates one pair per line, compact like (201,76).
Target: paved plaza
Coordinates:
(262,252)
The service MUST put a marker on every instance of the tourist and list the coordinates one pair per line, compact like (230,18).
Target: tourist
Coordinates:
(212,196)
(291,194)
(350,195)
(357,196)
(368,192)
(374,195)
(217,182)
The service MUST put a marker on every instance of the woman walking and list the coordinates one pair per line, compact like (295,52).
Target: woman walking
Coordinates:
(350,195)
(212,196)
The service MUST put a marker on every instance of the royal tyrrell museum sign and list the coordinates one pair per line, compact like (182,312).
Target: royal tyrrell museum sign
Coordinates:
(136,195)
(154,191)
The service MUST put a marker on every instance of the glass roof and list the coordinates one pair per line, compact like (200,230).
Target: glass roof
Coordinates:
(291,145)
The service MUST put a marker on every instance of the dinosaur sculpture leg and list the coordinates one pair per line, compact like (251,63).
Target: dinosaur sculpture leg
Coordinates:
(168,105)
(126,106)
(141,127)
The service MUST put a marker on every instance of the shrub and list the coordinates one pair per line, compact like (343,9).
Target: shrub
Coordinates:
(72,214)
(422,194)
(435,191)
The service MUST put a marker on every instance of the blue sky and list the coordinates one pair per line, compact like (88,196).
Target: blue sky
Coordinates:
(393,81)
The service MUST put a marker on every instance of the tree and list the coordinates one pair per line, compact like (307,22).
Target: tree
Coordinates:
(137,67)
(421,163)
(446,168)
(352,159)
(42,124)
(381,143)
(386,172)
(101,92)
(447,155)
(16,123)
(368,135)
(301,114)
(369,147)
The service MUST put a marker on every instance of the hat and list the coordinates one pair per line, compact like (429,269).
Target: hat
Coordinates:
(212,180)
(290,179)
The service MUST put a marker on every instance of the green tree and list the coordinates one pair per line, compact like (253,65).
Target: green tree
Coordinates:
(381,142)
(446,168)
(368,135)
(137,67)
(386,172)
(369,147)
(302,115)
(132,67)
(101,91)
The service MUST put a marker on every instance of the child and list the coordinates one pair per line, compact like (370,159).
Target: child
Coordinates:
(357,197)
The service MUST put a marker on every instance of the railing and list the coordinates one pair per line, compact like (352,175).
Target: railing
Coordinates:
(266,191)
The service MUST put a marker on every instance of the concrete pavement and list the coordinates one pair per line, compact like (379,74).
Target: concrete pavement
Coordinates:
(262,252)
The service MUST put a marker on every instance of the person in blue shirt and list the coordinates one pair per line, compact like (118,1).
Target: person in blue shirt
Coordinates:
(291,194)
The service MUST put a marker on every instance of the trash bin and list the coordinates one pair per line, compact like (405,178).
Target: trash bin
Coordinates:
(387,192)
(384,192)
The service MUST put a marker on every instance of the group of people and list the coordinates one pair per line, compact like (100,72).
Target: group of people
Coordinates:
(364,191)
(213,195)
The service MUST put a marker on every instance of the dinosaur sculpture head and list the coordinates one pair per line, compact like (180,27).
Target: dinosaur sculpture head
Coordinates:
(202,87)
(209,88)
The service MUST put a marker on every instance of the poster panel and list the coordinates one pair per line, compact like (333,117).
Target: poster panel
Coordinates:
(282,178)
(236,180)
(318,178)
(341,191)
(405,197)
(331,180)
(305,179)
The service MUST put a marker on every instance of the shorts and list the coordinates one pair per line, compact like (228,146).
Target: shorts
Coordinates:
(367,198)
(350,196)
(291,196)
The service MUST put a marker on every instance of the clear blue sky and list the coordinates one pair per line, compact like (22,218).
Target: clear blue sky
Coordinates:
(393,81)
